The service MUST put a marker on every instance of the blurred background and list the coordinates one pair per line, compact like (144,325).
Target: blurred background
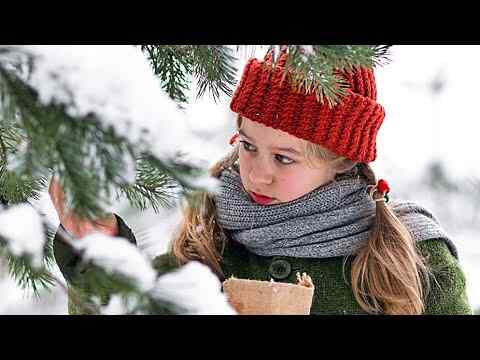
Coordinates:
(427,150)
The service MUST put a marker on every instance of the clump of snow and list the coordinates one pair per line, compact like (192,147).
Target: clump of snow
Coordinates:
(307,50)
(114,82)
(207,183)
(116,306)
(22,228)
(195,288)
(153,230)
(17,301)
(117,84)
(117,255)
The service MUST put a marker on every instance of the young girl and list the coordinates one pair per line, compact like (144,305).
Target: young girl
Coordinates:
(297,195)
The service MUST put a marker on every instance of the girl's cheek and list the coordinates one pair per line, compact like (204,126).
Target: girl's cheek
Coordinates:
(294,186)
(289,188)
(244,170)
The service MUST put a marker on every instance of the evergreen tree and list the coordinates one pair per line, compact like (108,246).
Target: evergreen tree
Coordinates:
(93,159)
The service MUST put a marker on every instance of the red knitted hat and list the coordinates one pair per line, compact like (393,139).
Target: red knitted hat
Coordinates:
(348,129)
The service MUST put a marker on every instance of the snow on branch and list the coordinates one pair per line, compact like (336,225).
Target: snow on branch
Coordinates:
(194,288)
(22,228)
(113,82)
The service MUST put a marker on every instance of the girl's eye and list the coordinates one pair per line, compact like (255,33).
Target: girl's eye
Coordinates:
(280,158)
(284,160)
(247,146)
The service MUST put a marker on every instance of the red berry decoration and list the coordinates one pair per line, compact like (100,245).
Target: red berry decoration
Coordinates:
(383,187)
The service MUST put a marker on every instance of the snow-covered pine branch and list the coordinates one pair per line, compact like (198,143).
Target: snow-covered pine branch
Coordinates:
(192,289)
(90,113)
(90,119)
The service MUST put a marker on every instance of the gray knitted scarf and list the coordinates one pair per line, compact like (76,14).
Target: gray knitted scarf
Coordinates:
(332,220)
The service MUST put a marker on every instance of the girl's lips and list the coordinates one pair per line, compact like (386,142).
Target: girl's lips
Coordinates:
(260,199)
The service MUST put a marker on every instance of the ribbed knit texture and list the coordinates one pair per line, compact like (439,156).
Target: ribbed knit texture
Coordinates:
(332,220)
(348,129)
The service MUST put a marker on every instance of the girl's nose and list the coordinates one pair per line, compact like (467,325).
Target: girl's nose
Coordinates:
(261,174)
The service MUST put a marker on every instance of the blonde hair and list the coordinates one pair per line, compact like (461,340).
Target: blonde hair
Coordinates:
(388,275)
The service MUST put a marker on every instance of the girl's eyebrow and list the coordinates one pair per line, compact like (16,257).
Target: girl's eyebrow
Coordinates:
(286,149)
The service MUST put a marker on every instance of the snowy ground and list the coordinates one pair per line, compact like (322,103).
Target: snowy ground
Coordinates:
(418,128)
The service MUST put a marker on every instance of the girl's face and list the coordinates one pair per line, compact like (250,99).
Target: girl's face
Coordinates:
(273,167)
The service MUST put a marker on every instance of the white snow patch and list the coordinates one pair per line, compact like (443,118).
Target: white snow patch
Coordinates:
(307,50)
(117,255)
(207,183)
(114,82)
(195,288)
(22,228)
(116,306)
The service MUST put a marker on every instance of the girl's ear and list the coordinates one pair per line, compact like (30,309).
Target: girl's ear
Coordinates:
(233,138)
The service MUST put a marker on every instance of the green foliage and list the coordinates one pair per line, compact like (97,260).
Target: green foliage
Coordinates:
(176,65)
(18,188)
(88,157)
(213,67)
(24,273)
(315,68)
(15,187)
(91,159)
(152,187)
(97,287)
(173,65)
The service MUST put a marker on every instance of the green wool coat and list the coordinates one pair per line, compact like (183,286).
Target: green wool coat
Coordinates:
(333,294)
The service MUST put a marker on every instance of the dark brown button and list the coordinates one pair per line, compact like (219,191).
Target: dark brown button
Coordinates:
(280,269)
